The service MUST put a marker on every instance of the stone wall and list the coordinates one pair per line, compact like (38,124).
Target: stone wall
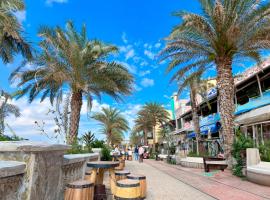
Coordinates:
(46,170)
(11,178)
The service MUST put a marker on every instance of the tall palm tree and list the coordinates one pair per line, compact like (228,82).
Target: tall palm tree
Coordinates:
(156,114)
(192,82)
(11,39)
(6,109)
(69,60)
(113,124)
(226,32)
(142,124)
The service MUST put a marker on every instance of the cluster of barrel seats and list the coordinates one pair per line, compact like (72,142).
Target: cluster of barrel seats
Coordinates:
(124,186)
(128,186)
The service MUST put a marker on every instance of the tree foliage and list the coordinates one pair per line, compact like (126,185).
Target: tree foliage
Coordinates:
(12,40)
(113,124)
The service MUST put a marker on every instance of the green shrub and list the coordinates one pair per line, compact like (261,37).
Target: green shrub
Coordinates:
(97,144)
(105,152)
(10,138)
(240,144)
(194,154)
(76,148)
(265,151)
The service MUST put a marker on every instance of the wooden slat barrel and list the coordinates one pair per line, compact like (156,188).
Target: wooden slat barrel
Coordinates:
(119,175)
(80,190)
(127,189)
(122,163)
(142,179)
(87,175)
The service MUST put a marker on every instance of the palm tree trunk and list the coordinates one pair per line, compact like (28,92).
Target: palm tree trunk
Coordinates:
(225,83)
(154,140)
(195,116)
(76,105)
(145,138)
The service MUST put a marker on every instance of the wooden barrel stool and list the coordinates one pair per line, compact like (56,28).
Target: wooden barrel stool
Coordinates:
(122,163)
(142,180)
(87,175)
(127,189)
(80,190)
(119,175)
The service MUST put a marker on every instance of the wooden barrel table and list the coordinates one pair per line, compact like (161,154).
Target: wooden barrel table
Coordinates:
(80,190)
(101,166)
(142,179)
(119,175)
(127,189)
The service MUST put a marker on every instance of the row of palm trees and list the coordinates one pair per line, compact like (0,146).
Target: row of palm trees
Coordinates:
(149,118)
(226,32)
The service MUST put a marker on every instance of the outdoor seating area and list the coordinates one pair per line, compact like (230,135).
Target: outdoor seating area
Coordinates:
(122,183)
(257,171)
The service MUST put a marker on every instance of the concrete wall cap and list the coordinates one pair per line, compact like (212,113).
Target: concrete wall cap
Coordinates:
(11,168)
(27,146)
(74,158)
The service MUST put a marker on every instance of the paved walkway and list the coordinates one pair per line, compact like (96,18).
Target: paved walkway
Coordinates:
(163,186)
(175,182)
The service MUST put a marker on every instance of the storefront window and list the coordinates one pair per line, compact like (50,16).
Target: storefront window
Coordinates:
(249,132)
(266,132)
(259,133)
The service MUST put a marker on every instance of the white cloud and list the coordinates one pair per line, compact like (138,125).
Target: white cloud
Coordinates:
(130,54)
(146,82)
(143,73)
(131,68)
(21,16)
(131,112)
(157,45)
(144,63)
(137,88)
(50,2)
(124,38)
(96,107)
(149,54)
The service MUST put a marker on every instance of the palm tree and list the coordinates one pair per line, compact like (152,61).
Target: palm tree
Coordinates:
(68,60)
(226,32)
(113,124)
(87,139)
(193,82)
(7,109)
(142,124)
(156,114)
(11,39)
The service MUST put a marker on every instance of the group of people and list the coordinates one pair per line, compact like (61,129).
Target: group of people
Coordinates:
(137,152)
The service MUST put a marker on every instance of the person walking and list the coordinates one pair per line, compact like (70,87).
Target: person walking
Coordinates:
(136,153)
(141,152)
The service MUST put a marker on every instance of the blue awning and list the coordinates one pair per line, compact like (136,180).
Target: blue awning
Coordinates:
(213,128)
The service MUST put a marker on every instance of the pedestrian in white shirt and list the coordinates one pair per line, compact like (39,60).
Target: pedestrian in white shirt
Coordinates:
(141,152)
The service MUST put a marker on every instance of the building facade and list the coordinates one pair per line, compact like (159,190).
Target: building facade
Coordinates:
(252,112)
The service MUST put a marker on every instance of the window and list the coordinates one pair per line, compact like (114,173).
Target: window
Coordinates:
(266,132)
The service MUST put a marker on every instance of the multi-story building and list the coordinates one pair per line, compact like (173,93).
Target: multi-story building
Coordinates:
(252,111)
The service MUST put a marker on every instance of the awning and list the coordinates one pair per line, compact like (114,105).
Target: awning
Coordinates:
(213,128)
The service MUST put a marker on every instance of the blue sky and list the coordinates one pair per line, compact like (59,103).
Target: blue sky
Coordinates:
(136,27)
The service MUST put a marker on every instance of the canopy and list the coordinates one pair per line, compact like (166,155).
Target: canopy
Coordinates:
(213,128)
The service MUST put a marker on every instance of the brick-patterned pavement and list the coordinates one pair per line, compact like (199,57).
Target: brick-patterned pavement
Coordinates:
(163,186)
(190,182)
